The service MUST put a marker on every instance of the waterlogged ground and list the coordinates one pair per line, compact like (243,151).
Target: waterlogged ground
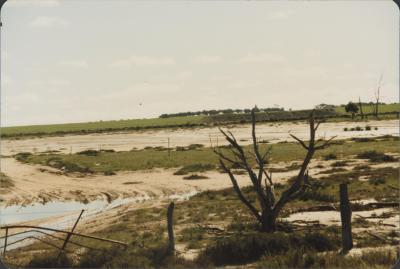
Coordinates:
(41,195)
(272,132)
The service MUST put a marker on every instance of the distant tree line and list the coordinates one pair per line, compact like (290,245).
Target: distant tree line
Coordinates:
(221,111)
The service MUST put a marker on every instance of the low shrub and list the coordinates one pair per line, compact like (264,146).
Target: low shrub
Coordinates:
(316,195)
(97,258)
(195,146)
(367,128)
(50,260)
(330,156)
(5,181)
(363,139)
(362,167)
(195,176)
(89,152)
(241,249)
(339,164)
(197,167)
(376,181)
(375,156)
(23,156)
(109,173)
(193,236)
(299,258)
(58,163)
(107,150)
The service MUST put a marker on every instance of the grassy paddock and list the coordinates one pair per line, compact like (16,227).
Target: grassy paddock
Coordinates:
(368,109)
(388,112)
(196,160)
(101,126)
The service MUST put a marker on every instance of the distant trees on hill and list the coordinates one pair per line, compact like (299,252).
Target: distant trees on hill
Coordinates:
(325,107)
(220,111)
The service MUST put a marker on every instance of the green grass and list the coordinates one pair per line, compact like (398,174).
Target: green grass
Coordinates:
(195,167)
(295,258)
(197,160)
(375,156)
(368,109)
(101,126)
(189,121)
(242,249)
(5,183)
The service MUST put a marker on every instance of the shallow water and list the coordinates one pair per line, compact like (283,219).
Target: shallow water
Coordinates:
(17,213)
(63,214)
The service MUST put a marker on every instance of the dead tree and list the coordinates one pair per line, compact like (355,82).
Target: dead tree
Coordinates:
(261,179)
(361,110)
(377,95)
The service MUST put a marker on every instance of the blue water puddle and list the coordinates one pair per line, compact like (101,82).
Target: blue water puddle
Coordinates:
(57,215)
(16,213)
(62,214)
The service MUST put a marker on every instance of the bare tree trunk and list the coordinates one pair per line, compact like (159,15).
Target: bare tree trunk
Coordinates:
(171,239)
(345,214)
(268,222)
(377,95)
(361,110)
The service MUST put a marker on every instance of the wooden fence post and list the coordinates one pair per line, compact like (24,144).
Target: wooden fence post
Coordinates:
(69,234)
(170,216)
(169,149)
(345,214)
(5,243)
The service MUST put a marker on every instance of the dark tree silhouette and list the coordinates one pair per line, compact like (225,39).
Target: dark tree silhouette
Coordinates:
(262,183)
(351,108)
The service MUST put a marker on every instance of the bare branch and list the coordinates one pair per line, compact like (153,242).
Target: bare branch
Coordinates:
(325,144)
(239,192)
(267,152)
(271,195)
(316,127)
(222,156)
(300,141)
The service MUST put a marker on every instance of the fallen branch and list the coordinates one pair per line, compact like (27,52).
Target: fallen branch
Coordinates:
(377,236)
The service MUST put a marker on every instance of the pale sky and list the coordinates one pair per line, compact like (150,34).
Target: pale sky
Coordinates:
(83,60)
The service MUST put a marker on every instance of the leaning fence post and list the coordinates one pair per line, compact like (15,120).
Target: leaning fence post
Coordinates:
(169,149)
(171,240)
(5,243)
(69,234)
(345,214)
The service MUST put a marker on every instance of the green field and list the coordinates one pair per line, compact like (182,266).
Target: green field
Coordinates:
(368,109)
(104,162)
(101,126)
(184,122)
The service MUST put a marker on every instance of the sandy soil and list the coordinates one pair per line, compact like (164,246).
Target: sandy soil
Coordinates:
(34,183)
(272,132)
(333,217)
